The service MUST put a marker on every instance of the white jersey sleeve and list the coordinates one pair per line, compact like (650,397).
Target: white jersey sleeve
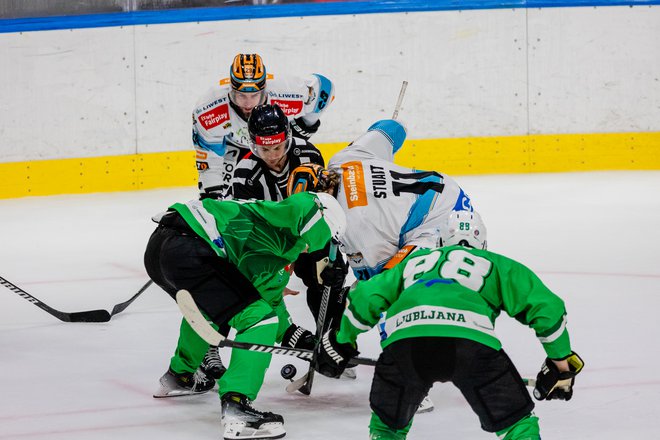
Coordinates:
(303,101)
(381,141)
(389,207)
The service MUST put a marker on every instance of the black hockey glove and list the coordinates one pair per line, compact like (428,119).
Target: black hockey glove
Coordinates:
(302,130)
(298,337)
(331,356)
(215,195)
(335,274)
(554,384)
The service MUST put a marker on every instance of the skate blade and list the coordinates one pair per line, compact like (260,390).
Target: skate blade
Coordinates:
(238,431)
(168,392)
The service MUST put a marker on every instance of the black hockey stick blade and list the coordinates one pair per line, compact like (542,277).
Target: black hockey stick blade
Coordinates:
(97,315)
(86,316)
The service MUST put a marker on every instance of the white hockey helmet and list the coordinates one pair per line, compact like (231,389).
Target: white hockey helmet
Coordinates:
(333,214)
(465,228)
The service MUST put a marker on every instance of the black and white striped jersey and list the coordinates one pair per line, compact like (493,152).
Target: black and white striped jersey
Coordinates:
(254,180)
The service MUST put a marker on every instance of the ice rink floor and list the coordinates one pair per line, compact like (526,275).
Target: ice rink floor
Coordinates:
(592,237)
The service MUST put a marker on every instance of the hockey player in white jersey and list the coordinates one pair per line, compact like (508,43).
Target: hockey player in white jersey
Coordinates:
(220,132)
(391,210)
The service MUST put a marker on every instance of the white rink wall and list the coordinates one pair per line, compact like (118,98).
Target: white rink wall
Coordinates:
(499,72)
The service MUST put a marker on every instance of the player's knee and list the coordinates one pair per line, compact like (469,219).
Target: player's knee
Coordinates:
(255,315)
(502,402)
(392,399)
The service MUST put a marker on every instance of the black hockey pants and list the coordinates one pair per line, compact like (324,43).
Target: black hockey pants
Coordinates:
(177,258)
(489,381)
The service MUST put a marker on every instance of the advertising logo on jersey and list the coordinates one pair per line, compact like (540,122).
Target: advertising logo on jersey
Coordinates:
(270,140)
(201,157)
(354,186)
(214,117)
(290,107)
(400,255)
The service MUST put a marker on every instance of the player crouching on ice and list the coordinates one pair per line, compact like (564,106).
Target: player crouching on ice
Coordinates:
(440,330)
(231,256)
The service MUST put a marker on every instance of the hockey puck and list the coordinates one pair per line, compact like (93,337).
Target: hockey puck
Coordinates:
(288,371)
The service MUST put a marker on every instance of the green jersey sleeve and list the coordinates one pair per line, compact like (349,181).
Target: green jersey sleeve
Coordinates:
(367,300)
(524,297)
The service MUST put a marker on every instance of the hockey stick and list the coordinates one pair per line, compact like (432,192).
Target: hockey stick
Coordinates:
(397,107)
(85,316)
(306,384)
(198,322)
(529,382)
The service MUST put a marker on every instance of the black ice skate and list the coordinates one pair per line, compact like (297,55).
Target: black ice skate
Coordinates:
(242,421)
(212,364)
(184,384)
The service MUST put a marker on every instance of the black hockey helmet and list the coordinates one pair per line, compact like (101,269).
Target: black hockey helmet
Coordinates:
(268,125)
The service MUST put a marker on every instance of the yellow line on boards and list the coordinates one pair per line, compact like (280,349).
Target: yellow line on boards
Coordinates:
(456,156)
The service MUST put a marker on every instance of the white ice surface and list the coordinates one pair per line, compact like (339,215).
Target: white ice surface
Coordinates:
(592,237)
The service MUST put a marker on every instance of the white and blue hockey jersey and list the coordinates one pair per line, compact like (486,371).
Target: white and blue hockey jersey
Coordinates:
(390,209)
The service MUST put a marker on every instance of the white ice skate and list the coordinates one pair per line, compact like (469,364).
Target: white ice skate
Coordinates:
(242,421)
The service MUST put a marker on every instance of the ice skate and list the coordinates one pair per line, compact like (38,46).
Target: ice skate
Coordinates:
(426,405)
(212,364)
(184,384)
(349,373)
(241,421)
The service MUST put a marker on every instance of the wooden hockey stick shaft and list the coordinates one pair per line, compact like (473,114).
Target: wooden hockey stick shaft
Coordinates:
(399,101)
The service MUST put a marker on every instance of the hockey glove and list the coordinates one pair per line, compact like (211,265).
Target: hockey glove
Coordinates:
(302,130)
(298,337)
(334,275)
(215,195)
(333,357)
(554,384)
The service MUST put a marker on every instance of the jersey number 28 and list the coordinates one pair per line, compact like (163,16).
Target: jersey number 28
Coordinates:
(466,269)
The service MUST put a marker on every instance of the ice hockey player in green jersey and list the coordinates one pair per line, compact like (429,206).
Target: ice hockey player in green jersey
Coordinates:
(231,256)
(441,308)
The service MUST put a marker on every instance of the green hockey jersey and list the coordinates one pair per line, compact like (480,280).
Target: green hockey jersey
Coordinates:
(456,292)
(260,237)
